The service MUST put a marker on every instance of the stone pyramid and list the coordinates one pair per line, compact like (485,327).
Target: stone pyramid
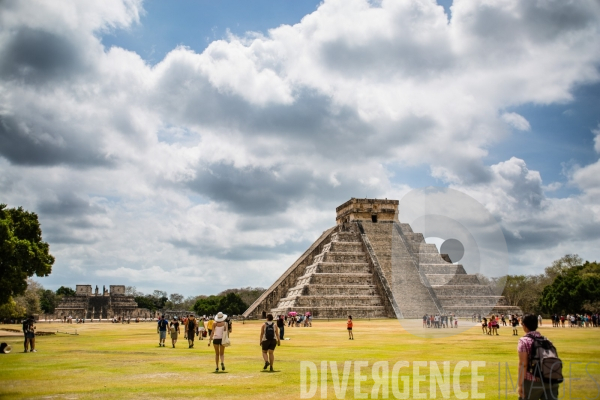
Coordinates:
(372,266)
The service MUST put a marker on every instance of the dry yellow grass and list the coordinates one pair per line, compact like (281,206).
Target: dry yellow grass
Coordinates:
(110,361)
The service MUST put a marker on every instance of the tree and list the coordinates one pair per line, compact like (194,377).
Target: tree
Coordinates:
(132,291)
(176,299)
(247,294)
(30,300)
(11,310)
(48,301)
(208,305)
(573,289)
(232,304)
(145,302)
(562,265)
(65,291)
(23,253)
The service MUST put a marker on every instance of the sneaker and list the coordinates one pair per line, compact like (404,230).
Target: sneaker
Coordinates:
(266,365)
(26,351)
(223,366)
(34,351)
(271,369)
(217,370)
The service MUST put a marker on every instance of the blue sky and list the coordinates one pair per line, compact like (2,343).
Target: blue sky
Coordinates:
(214,165)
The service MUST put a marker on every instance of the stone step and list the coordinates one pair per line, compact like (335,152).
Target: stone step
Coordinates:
(336,312)
(354,257)
(462,290)
(329,301)
(346,247)
(337,279)
(414,237)
(453,269)
(332,290)
(448,279)
(424,248)
(430,258)
(405,228)
(338,268)
(345,237)
(464,301)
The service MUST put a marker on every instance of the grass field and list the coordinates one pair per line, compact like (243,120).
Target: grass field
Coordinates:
(113,361)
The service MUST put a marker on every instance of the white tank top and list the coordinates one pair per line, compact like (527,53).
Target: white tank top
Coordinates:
(219,332)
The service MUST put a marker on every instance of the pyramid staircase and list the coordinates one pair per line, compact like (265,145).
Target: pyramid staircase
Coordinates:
(339,282)
(455,291)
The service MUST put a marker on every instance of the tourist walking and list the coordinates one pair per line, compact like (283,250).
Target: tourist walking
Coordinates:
(201,328)
(210,324)
(190,328)
(349,325)
(29,333)
(161,329)
(540,320)
(269,338)
(484,326)
(175,331)
(530,386)
(281,326)
(218,332)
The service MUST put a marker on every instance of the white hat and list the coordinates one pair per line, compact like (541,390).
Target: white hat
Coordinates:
(220,317)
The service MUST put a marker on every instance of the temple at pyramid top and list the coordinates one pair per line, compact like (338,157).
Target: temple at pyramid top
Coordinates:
(373,210)
(371,265)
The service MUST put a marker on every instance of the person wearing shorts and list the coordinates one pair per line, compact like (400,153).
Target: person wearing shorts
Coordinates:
(29,332)
(190,328)
(174,327)
(161,329)
(216,336)
(349,325)
(269,339)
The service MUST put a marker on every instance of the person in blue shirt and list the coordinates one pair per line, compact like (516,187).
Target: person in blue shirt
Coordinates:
(161,329)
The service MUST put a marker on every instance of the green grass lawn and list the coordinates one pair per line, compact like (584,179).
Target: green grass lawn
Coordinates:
(116,361)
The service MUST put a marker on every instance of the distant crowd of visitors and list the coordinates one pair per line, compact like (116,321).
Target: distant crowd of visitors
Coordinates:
(440,321)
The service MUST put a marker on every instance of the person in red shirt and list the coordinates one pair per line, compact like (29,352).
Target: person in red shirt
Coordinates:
(349,325)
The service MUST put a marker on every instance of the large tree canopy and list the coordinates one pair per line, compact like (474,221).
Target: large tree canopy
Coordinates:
(572,289)
(23,253)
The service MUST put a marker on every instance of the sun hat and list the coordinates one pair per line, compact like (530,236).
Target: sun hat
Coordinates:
(220,317)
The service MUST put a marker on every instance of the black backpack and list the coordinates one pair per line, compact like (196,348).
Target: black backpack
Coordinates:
(544,362)
(269,331)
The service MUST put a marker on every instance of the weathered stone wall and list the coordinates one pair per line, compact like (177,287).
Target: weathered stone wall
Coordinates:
(269,299)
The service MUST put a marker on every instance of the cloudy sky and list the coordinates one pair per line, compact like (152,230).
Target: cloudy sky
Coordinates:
(198,146)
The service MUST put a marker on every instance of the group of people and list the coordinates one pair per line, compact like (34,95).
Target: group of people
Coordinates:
(576,320)
(491,326)
(218,329)
(193,327)
(298,320)
(440,321)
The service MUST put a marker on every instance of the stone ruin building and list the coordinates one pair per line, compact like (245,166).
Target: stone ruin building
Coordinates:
(370,265)
(94,304)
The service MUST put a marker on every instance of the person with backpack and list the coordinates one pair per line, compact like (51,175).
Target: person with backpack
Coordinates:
(269,339)
(540,369)
(190,328)
(174,328)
